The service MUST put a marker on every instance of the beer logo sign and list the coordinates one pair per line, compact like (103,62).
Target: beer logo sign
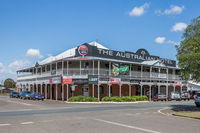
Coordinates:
(83,50)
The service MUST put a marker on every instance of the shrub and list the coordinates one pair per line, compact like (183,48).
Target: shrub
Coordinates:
(125,99)
(83,99)
(140,98)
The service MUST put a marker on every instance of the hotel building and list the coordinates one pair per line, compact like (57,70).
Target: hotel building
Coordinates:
(93,70)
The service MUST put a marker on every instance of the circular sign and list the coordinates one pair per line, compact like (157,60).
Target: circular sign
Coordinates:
(83,50)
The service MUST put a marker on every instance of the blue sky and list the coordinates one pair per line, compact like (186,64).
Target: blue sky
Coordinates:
(30,30)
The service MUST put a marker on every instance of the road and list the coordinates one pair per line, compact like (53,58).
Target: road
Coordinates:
(26,116)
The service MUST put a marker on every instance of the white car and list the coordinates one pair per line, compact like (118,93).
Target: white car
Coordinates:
(197,99)
(175,96)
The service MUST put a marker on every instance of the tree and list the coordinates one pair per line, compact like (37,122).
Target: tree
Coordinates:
(9,83)
(188,52)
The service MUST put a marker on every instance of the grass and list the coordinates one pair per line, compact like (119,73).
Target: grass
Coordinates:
(189,114)
(3,93)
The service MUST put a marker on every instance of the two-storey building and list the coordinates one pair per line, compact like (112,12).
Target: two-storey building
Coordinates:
(94,70)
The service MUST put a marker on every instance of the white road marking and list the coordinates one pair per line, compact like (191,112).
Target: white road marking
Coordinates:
(26,123)
(46,121)
(27,104)
(7,124)
(127,126)
(160,111)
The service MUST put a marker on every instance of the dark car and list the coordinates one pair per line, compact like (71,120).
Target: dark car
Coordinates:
(36,96)
(14,95)
(197,99)
(160,97)
(25,94)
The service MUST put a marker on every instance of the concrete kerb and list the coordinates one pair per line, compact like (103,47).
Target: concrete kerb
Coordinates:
(108,102)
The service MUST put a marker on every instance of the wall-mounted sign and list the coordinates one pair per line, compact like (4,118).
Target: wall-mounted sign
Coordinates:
(115,80)
(80,81)
(93,79)
(55,80)
(67,80)
(139,56)
(83,50)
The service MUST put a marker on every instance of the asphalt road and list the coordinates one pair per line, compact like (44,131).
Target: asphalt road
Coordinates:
(26,116)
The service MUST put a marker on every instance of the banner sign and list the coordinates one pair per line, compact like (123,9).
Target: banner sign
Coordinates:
(120,70)
(115,80)
(55,80)
(93,79)
(67,80)
(139,56)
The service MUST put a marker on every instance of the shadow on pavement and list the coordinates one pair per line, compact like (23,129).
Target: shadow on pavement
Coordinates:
(184,108)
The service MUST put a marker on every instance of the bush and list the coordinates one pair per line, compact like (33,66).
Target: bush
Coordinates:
(125,99)
(140,98)
(83,99)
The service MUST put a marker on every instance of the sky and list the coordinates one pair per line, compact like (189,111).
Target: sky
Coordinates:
(32,30)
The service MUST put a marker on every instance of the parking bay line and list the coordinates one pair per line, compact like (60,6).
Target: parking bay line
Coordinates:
(127,126)
(7,124)
(26,123)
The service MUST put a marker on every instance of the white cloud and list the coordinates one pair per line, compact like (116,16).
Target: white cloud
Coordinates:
(173,10)
(173,42)
(19,64)
(179,27)
(139,11)
(2,68)
(160,40)
(35,53)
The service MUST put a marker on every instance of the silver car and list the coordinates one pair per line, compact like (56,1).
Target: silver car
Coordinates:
(197,99)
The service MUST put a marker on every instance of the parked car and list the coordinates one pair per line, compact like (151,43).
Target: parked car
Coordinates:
(174,96)
(197,99)
(160,97)
(185,95)
(14,95)
(25,94)
(36,96)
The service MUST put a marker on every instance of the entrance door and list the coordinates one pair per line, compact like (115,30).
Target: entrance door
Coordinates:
(85,90)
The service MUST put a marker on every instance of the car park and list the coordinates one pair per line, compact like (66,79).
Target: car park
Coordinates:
(25,94)
(36,96)
(14,95)
(160,97)
(197,99)
(185,95)
(174,96)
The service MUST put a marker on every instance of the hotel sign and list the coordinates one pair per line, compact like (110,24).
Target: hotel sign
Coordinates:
(140,56)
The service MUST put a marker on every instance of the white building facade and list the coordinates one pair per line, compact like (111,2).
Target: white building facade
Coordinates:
(93,70)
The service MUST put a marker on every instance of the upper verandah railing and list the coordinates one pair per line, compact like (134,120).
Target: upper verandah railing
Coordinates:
(103,72)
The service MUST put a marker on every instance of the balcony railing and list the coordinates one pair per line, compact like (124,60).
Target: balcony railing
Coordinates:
(86,71)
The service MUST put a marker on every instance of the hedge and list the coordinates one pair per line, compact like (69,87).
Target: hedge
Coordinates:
(83,99)
(125,99)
